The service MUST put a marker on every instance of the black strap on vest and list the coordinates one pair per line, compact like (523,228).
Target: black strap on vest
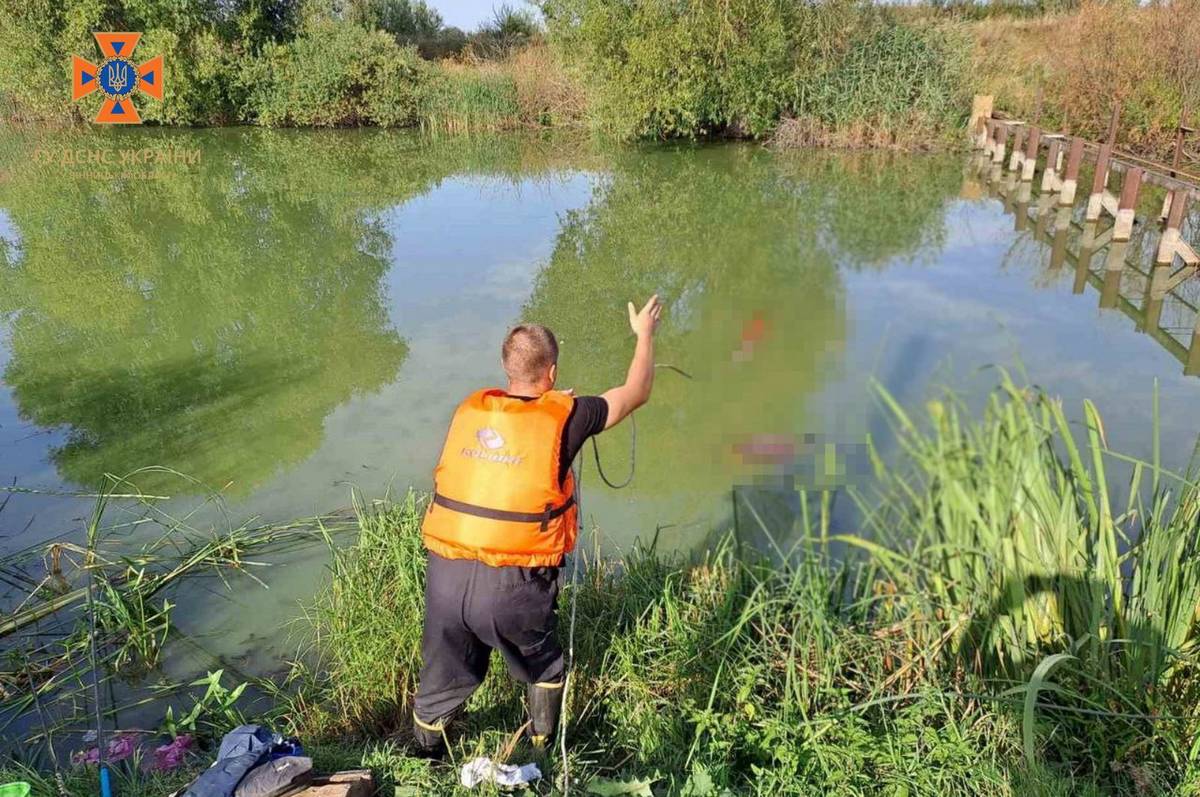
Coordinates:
(551,512)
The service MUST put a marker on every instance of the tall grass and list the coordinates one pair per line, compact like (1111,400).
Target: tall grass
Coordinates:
(1014,521)
(1144,58)
(1011,532)
(998,627)
(366,627)
(460,99)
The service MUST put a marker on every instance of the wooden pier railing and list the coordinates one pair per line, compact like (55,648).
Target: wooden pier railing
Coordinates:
(1015,151)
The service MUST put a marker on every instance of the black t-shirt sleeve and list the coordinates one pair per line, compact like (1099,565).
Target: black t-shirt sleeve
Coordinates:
(588,417)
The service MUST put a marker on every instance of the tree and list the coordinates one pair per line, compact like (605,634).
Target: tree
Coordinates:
(407,20)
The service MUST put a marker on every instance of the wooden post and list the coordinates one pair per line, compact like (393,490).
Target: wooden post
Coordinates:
(1099,183)
(1031,154)
(1112,124)
(1000,143)
(1179,131)
(1127,206)
(1071,178)
(1018,154)
(1051,173)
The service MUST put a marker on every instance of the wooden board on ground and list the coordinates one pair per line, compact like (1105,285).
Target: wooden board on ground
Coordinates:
(351,783)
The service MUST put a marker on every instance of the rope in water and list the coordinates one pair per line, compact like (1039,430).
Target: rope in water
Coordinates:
(562,719)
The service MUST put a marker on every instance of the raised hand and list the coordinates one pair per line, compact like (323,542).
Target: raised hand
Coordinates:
(645,321)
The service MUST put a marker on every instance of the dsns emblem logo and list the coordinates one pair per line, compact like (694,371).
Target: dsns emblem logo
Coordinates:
(489,438)
(118,77)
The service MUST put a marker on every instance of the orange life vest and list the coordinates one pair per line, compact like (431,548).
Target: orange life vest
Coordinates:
(497,497)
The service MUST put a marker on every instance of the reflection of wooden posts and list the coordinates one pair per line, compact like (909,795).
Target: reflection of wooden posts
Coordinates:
(1099,184)
(1062,226)
(1043,216)
(1116,256)
(1152,302)
(1018,155)
(1023,193)
(1192,366)
(1083,263)
(1029,163)
(1008,191)
(1071,177)
(1110,292)
(1127,205)
(1089,243)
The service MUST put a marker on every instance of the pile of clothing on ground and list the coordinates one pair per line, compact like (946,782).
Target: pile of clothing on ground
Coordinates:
(253,762)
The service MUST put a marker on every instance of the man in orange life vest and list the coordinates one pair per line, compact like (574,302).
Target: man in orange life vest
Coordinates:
(501,521)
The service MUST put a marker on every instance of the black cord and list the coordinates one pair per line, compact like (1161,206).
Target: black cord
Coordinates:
(632,457)
(632,439)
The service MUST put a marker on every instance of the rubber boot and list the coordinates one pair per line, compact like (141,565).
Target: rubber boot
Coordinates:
(430,737)
(545,705)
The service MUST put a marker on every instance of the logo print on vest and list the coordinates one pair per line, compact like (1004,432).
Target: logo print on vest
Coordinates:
(489,438)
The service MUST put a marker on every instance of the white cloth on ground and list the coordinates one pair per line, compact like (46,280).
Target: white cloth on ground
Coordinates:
(484,769)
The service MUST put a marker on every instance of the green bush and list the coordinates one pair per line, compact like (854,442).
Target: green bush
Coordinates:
(336,74)
(200,85)
(202,56)
(660,68)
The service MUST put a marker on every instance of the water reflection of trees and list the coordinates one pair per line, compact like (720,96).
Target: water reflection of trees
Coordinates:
(209,320)
(745,246)
(877,206)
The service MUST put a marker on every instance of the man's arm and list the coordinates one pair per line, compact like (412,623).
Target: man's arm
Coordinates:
(635,392)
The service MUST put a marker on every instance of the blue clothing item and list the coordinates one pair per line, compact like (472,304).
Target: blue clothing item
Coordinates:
(275,777)
(241,750)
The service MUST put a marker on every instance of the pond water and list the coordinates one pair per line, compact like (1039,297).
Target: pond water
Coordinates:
(282,315)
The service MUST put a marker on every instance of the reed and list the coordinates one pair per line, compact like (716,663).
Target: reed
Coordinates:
(1014,520)
(461,99)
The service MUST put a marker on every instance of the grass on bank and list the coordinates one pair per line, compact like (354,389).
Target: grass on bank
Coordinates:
(1000,625)
(1145,59)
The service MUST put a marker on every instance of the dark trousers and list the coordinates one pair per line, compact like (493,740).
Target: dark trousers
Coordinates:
(471,608)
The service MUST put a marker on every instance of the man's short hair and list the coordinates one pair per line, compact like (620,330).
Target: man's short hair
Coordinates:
(528,351)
